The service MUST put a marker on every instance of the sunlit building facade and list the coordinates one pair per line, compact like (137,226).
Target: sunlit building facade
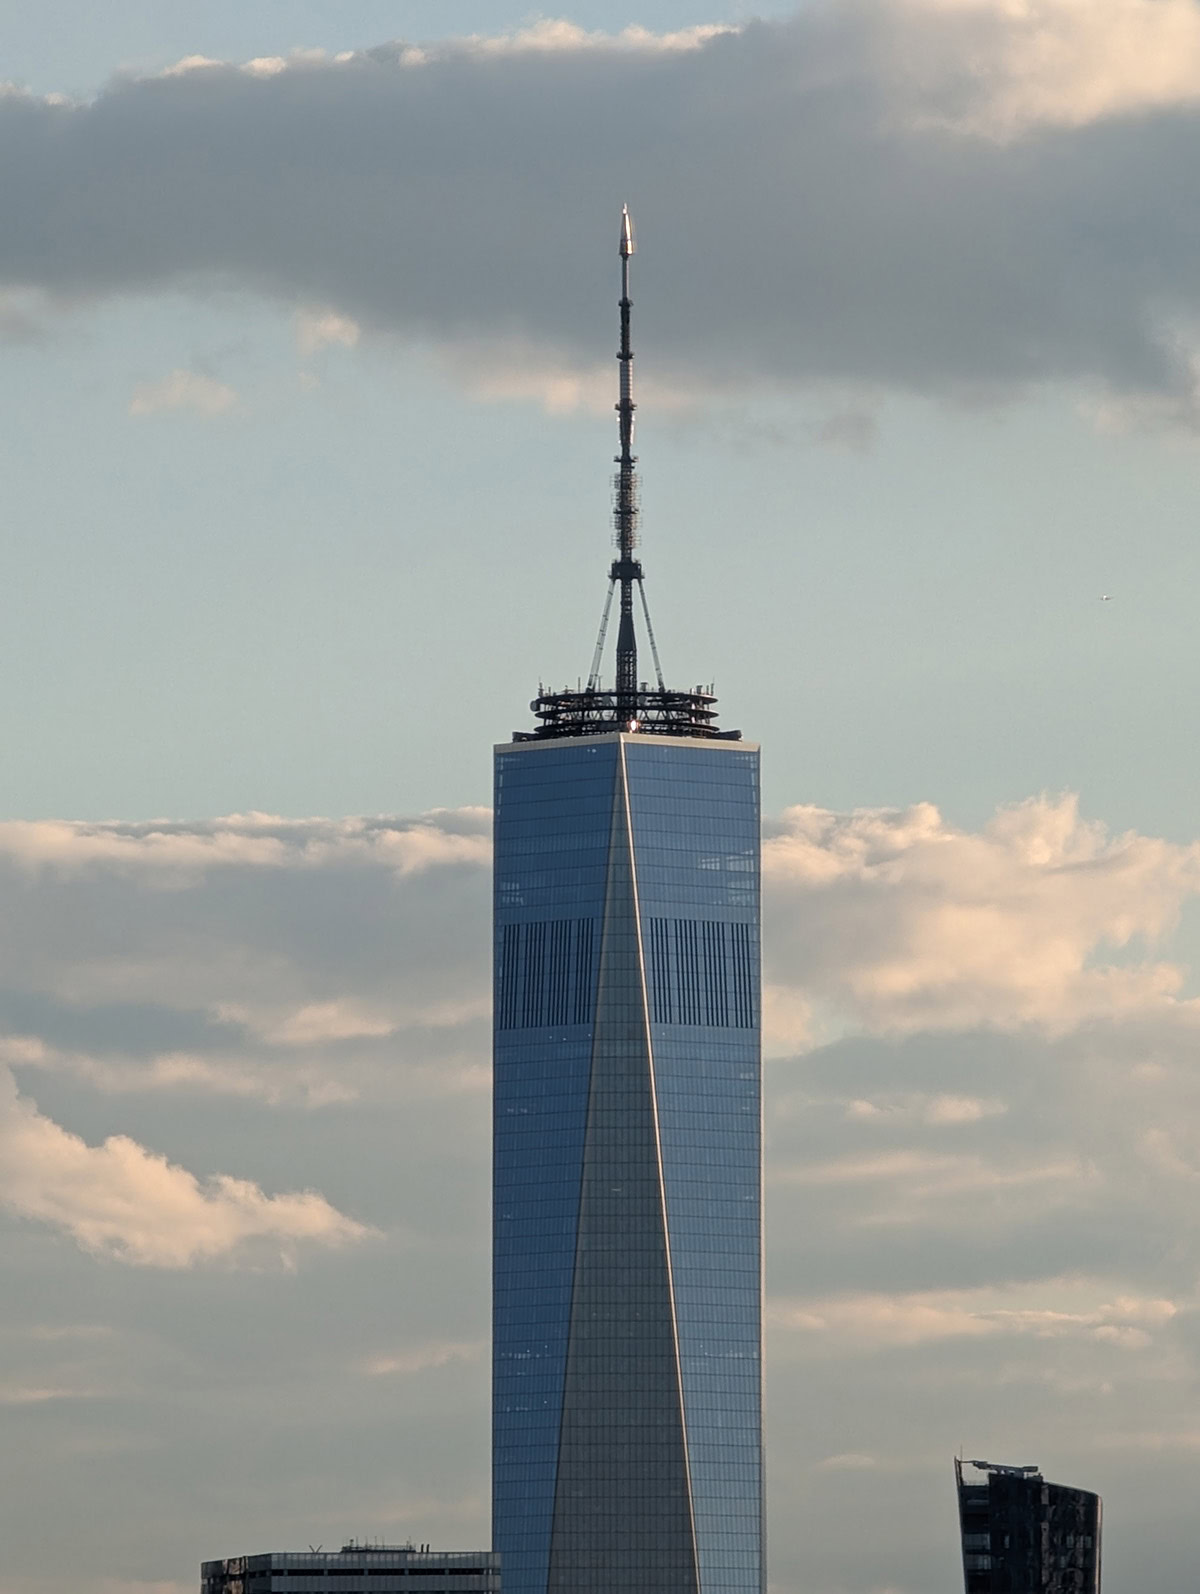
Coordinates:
(627,1307)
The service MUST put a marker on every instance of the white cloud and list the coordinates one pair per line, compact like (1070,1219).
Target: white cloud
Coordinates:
(272,65)
(185,852)
(119,1200)
(1024,64)
(961,1110)
(933,1176)
(328,1021)
(39,1395)
(942,1111)
(183,390)
(517,370)
(551,35)
(249,1077)
(545,36)
(898,921)
(189,63)
(912,1319)
(318,329)
(424,1358)
(297,963)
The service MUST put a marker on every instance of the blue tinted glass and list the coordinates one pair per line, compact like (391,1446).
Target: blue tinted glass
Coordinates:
(627,1333)
(553,809)
(696,828)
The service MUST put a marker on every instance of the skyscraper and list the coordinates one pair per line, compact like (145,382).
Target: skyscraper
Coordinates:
(1022,1535)
(627,1396)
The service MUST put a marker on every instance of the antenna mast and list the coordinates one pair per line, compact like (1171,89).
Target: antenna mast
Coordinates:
(630,706)
(625,568)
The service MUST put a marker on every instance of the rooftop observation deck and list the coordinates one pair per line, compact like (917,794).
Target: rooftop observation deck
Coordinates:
(595,711)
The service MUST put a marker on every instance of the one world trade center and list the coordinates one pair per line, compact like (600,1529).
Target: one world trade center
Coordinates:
(627,1316)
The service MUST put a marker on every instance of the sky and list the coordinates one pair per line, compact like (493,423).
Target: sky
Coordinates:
(307,316)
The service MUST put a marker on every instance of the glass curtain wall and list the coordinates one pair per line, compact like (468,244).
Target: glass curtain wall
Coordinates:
(627,1303)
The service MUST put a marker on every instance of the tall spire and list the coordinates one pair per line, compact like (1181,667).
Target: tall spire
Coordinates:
(625,568)
(630,706)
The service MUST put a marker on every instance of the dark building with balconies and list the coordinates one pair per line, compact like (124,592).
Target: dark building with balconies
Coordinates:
(1022,1535)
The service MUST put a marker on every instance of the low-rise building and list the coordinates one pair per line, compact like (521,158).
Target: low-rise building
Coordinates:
(355,1569)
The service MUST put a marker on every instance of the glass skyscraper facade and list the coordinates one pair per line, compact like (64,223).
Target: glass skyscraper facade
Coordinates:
(627,1398)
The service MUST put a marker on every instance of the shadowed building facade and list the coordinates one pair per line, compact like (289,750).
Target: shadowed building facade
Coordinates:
(355,1569)
(627,1403)
(1022,1535)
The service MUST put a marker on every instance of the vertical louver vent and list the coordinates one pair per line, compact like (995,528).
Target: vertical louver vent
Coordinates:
(544,974)
(701,972)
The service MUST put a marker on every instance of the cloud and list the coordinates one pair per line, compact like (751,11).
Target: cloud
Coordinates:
(993,1018)
(961,1109)
(909,1320)
(324,329)
(26,315)
(312,960)
(552,35)
(896,921)
(944,1111)
(119,1200)
(296,963)
(327,1021)
(982,1172)
(424,1358)
(1055,63)
(950,197)
(851,1461)
(925,1176)
(183,852)
(501,370)
(321,964)
(183,390)
(39,1395)
(856,431)
(245,1076)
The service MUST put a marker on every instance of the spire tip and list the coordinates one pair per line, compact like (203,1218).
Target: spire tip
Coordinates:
(627,244)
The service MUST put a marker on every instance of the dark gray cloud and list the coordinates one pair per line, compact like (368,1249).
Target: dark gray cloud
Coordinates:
(859,194)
